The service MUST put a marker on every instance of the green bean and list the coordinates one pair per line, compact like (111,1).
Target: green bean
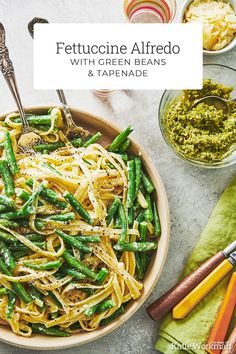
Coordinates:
(49,195)
(144,258)
(77,142)
(117,223)
(45,128)
(7,256)
(101,307)
(34,237)
(8,202)
(112,210)
(136,246)
(122,216)
(124,146)
(148,185)
(52,331)
(74,273)
(18,288)
(148,213)
(32,199)
(136,205)
(131,183)
(92,140)
(7,179)
(105,305)
(54,315)
(10,156)
(51,168)
(156,220)
(9,223)
(11,303)
(3,208)
(143,231)
(40,224)
(124,157)
(140,217)
(116,314)
(74,263)
(88,291)
(22,247)
(90,311)
(43,266)
(139,267)
(49,147)
(72,240)
(3,291)
(110,165)
(59,144)
(86,161)
(101,276)
(138,166)
(23,223)
(119,140)
(78,207)
(7,237)
(44,119)
(75,326)
(130,216)
(19,214)
(22,253)
(55,299)
(88,239)
(23,195)
(62,217)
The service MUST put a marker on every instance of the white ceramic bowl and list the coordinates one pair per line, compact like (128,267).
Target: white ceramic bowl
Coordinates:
(40,342)
(230,46)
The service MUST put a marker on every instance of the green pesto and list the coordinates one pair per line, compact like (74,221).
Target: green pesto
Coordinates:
(203,132)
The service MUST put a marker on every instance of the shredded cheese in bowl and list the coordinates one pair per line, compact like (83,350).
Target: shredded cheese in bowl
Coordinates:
(218,19)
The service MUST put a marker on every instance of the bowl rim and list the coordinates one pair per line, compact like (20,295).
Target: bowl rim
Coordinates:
(202,164)
(39,342)
(228,47)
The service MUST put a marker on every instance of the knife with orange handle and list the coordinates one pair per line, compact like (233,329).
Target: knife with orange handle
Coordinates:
(190,301)
(166,302)
(223,319)
(230,347)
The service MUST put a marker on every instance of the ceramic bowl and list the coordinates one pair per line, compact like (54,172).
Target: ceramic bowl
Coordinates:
(40,342)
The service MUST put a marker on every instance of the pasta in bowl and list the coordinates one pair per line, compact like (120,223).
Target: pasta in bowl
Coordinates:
(79,224)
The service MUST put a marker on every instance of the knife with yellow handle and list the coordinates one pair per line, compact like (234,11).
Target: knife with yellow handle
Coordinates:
(190,301)
(171,298)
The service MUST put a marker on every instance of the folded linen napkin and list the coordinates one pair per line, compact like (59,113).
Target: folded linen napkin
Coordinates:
(190,334)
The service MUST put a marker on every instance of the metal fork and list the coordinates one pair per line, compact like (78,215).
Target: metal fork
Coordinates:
(72,129)
(28,138)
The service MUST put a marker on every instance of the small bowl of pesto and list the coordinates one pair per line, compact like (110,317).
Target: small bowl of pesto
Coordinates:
(218,18)
(203,134)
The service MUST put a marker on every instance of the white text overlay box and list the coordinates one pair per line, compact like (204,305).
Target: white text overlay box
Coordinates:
(118,56)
